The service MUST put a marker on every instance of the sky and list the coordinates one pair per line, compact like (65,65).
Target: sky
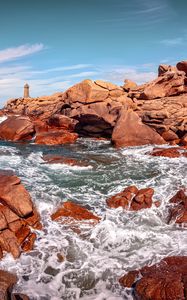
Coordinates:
(53,44)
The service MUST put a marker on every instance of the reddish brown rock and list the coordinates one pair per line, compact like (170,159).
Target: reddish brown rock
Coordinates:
(59,159)
(14,194)
(132,198)
(16,129)
(130,131)
(178,210)
(29,242)
(183,141)
(17,214)
(63,122)
(56,138)
(163,281)
(129,85)
(169,84)
(182,66)
(162,69)
(169,152)
(7,282)
(75,211)
(169,136)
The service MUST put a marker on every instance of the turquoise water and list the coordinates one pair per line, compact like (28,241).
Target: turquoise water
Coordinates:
(122,241)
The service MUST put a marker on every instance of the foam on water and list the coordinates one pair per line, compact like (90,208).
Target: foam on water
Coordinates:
(122,241)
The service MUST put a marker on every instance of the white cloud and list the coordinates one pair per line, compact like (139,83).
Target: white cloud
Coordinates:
(10,54)
(173,42)
(118,75)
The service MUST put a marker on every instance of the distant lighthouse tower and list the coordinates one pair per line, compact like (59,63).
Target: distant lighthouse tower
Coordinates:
(26,91)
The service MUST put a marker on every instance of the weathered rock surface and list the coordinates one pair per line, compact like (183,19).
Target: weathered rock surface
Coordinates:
(17,215)
(166,280)
(168,114)
(75,211)
(7,281)
(130,131)
(178,210)
(169,152)
(54,137)
(16,128)
(132,199)
(162,69)
(59,159)
(169,84)
(129,85)
(182,66)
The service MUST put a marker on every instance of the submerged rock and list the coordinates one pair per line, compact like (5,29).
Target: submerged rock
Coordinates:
(59,159)
(132,199)
(75,211)
(163,281)
(17,215)
(169,152)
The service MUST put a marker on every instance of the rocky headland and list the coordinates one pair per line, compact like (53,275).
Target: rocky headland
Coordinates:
(154,113)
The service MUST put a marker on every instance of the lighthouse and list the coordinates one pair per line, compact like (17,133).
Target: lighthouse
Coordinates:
(26,91)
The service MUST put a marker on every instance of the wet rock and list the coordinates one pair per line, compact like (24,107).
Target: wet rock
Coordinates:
(59,159)
(17,215)
(178,209)
(16,128)
(163,281)
(59,137)
(75,211)
(7,282)
(132,199)
(169,152)
(183,141)
(130,131)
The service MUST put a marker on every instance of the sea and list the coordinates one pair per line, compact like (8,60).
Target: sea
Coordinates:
(93,260)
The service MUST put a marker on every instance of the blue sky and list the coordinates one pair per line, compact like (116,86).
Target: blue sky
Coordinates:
(55,44)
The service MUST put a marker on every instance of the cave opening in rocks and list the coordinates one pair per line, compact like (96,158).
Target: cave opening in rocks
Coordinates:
(93,126)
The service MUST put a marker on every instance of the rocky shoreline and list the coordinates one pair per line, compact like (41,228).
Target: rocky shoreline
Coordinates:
(154,113)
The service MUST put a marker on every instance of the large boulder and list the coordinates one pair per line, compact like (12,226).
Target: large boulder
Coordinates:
(163,281)
(17,215)
(182,66)
(16,128)
(130,131)
(162,69)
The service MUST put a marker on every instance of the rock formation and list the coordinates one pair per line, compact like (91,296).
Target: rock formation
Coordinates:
(17,215)
(163,281)
(102,109)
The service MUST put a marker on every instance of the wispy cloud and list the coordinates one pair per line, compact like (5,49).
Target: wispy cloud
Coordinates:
(10,54)
(173,42)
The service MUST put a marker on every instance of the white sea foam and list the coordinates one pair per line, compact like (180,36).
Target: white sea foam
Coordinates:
(122,241)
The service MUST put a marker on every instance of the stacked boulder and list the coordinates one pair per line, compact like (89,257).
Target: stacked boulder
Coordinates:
(17,216)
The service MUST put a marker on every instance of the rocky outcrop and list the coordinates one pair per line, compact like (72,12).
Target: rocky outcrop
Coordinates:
(130,131)
(17,215)
(74,211)
(163,281)
(16,128)
(132,199)
(166,115)
(178,208)
(162,69)
(182,66)
(56,137)
(7,282)
(169,84)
